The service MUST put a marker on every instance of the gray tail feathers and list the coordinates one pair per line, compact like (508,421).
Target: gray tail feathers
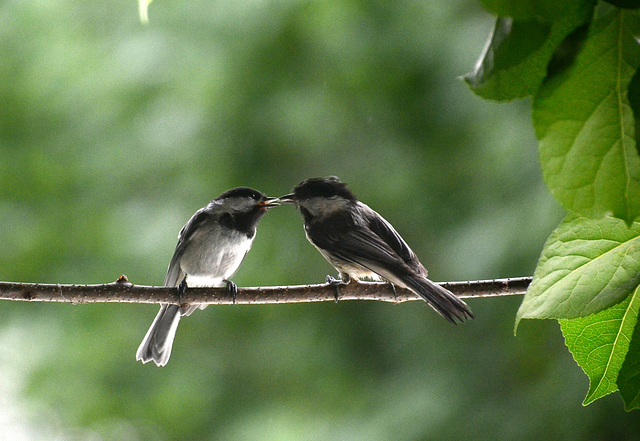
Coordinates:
(157,344)
(447,304)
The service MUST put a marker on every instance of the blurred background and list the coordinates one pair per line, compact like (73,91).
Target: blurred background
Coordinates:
(113,133)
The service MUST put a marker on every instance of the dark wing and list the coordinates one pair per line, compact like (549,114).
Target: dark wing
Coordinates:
(385,231)
(372,245)
(174,273)
(371,242)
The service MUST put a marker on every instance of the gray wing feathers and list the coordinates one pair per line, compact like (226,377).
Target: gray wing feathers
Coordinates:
(375,245)
(378,247)
(385,231)
(175,275)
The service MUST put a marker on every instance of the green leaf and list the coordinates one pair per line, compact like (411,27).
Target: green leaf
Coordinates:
(514,62)
(143,10)
(525,9)
(586,125)
(600,342)
(629,377)
(587,265)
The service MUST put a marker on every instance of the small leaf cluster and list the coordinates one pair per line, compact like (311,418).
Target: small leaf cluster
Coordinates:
(579,62)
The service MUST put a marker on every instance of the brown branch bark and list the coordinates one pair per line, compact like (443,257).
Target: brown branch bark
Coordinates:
(123,291)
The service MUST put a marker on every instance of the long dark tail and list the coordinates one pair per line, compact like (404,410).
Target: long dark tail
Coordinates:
(447,304)
(157,344)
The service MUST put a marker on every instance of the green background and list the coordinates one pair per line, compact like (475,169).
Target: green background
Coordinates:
(113,133)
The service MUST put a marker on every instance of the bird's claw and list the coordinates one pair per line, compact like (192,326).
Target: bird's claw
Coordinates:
(233,289)
(336,285)
(182,288)
(395,293)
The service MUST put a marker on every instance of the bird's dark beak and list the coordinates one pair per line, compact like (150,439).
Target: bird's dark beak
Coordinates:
(288,199)
(269,202)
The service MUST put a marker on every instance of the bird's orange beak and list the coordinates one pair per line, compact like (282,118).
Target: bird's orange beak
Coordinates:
(269,202)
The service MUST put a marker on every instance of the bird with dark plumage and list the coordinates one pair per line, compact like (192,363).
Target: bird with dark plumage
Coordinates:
(211,247)
(360,243)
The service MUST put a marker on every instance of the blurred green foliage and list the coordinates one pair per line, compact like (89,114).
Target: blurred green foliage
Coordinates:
(112,134)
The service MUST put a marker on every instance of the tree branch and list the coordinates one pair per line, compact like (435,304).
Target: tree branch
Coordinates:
(123,291)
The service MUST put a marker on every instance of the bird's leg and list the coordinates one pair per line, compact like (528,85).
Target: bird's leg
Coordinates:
(182,288)
(343,280)
(393,288)
(232,288)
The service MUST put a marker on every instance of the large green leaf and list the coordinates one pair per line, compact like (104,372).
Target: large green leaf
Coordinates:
(600,342)
(586,126)
(587,265)
(514,62)
(629,377)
